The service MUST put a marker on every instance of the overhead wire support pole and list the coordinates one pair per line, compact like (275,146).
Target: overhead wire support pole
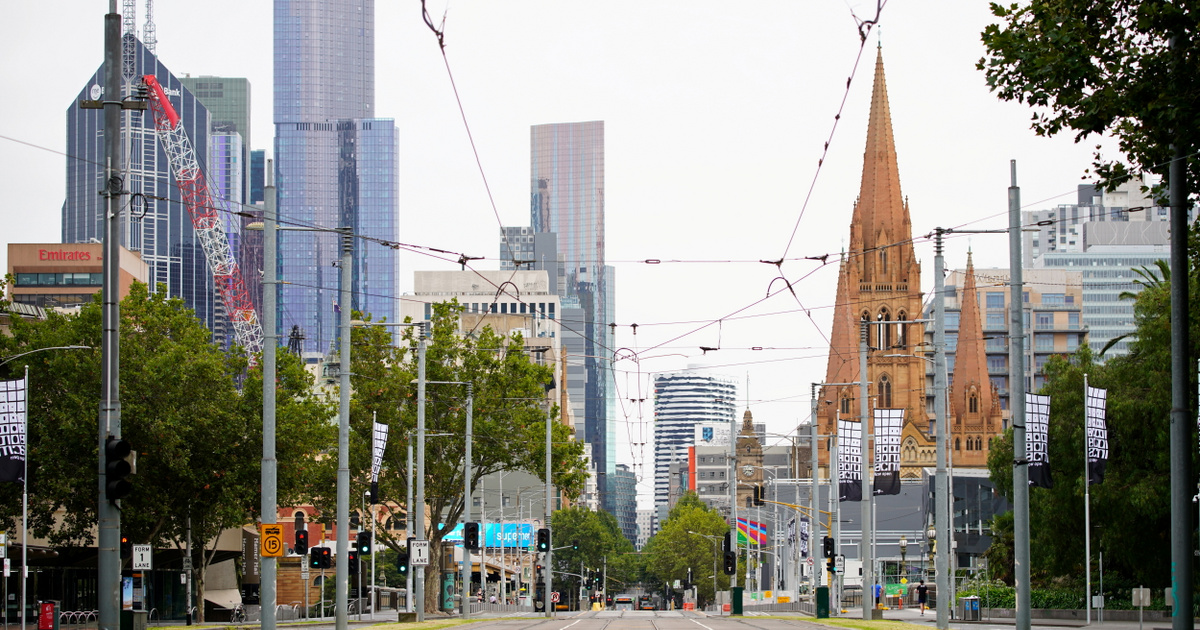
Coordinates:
(865,470)
(940,489)
(1016,357)
(342,572)
(550,549)
(108,556)
(269,499)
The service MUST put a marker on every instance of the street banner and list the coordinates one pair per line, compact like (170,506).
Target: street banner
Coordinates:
(380,443)
(1097,434)
(748,530)
(804,537)
(888,423)
(791,536)
(1037,430)
(849,460)
(13,423)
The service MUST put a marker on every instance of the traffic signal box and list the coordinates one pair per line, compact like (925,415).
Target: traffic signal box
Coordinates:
(320,558)
(543,540)
(363,543)
(301,543)
(117,466)
(402,564)
(352,562)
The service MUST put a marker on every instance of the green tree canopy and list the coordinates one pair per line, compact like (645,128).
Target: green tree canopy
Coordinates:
(675,547)
(1103,66)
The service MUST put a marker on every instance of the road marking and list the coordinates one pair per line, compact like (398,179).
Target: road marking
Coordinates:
(699,624)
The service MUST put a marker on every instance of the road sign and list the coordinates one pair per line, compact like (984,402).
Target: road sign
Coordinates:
(418,553)
(304,570)
(270,541)
(1141,597)
(810,562)
(839,564)
(142,558)
(554,596)
(187,563)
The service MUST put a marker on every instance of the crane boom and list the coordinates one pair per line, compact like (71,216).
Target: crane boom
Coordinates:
(203,208)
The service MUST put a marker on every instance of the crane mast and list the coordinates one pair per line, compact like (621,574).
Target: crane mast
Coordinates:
(206,220)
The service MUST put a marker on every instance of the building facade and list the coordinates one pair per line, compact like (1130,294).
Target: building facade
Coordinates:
(336,166)
(879,280)
(624,499)
(681,401)
(56,275)
(567,199)
(160,231)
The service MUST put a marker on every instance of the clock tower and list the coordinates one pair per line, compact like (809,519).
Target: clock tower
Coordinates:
(749,462)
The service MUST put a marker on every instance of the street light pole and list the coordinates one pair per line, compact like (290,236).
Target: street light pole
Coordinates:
(865,471)
(342,574)
(941,490)
(550,549)
(269,498)
(419,578)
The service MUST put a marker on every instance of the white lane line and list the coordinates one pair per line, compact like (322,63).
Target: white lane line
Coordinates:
(699,624)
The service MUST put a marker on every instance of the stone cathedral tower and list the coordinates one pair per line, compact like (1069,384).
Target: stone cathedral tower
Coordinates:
(879,280)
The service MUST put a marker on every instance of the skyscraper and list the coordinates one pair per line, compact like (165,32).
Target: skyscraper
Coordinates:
(160,230)
(567,198)
(681,401)
(336,165)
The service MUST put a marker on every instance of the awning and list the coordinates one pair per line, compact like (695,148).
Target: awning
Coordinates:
(224,597)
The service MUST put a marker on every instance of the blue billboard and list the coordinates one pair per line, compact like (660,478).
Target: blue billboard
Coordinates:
(495,535)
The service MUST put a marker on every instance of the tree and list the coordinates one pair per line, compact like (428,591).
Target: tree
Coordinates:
(600,545)
(509,420)
(674,548)
(1103,66)
(197,436)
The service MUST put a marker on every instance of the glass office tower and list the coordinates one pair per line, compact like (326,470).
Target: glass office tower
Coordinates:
(336,165)
(163,231)
(567,198)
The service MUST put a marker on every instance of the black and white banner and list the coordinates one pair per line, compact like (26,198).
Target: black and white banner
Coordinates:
(379,445)
(791,536)
(849,460)
(803,538)
(12,430)
(1097,434)
(1037,431)
(888,423)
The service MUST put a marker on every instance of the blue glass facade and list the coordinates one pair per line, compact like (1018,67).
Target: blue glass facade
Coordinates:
(335,165)
(164,234)
(258,175)
(567,198)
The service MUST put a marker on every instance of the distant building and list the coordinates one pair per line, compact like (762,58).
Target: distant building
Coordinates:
(162,233)
(682,400)
(646,528)
(624,497)
(56,275)
(337,166)
(567,199)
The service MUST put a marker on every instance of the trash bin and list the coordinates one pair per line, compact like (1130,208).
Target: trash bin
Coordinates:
(822,602)
(969,606)
(47,615)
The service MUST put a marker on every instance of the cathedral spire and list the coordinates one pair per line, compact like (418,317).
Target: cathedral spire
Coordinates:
(970,357)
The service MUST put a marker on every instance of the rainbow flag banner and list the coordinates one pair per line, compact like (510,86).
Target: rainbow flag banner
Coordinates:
(756,532)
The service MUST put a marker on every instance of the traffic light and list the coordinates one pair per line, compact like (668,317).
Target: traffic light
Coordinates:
(352,562)
(402,564)
(543,540)
(126,547)
(574,545)
(471,536)
(730,563)
(363,543)
(117,466)
(830,565)
(301,546)
(725,546)
(759,496)
(828,542)
(320,558)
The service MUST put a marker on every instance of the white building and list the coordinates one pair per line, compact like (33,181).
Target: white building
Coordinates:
(683,400)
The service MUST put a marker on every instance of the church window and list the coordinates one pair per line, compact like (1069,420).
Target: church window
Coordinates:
(885,330)
(970,444)
(885,392)
(957,444)
(846,404)
(973,401)
(883,261)
(902,330)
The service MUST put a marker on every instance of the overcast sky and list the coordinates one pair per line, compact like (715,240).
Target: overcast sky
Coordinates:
(715,118)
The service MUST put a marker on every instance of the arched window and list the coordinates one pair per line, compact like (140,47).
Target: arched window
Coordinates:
(957,445)
(902,330)
(970,444)
(845,404)
(883,262)
(979,444)
(973,401)
(354,520)
(885,330)
(885,392)
(299,516)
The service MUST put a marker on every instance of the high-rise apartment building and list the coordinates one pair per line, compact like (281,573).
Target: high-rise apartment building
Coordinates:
(336,166)
(624,500)
(158,229)
(567,199)
(682,400)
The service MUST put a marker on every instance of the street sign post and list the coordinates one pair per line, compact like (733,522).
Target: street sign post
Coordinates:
(839,564)
(142,558)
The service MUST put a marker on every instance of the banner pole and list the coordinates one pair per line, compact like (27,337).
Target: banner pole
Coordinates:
(1087,508)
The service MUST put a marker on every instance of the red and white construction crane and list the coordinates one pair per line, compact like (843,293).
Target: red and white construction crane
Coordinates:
(204,209)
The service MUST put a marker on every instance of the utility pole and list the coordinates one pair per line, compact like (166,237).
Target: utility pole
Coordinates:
(408,515)
(550,549)
(865,470)
(342,572)
(941,511)
(466,562)
(1016,357)
(419,578)
(108,555)
(814,525)
(270,512)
